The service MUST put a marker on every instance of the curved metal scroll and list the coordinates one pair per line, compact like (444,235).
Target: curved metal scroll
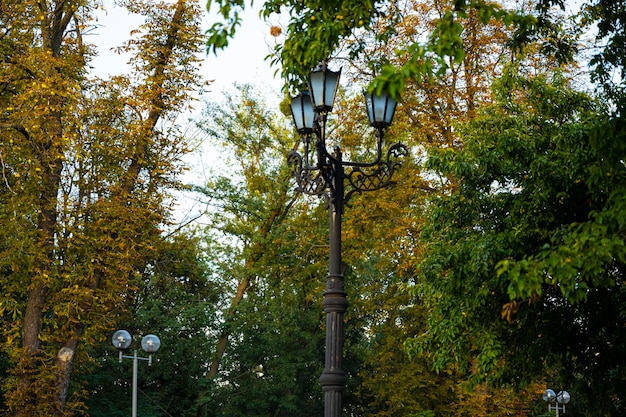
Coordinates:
(310,180)
(361,179)
(316,180)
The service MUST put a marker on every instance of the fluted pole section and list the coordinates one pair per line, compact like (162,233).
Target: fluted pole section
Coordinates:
(333,379)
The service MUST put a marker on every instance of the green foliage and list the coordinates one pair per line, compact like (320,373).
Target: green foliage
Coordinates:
(521,252)
(533,220)
(274,359)
(319,28)
(391,382)
(220,32)
(315,29)
(177,302)
(610,61)
(270,323)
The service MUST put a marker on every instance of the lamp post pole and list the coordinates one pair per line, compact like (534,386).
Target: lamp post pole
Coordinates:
(321,173)
(135,372)
(150,344)
(335,302)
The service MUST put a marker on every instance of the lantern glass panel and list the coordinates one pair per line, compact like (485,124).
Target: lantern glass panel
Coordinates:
(380,108)
(302,113)
(323,84)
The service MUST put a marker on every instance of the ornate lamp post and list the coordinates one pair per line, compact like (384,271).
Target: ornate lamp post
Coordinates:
(150,344)
(322,173)
(556,401)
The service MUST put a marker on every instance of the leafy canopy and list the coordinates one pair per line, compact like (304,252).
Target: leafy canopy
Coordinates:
(529,242)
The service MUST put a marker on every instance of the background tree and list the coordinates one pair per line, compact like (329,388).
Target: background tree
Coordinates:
(521,254)
(177,302)
(437,53)
(382,230)
(608,58)
(86,165)
(317,28)
(268,349)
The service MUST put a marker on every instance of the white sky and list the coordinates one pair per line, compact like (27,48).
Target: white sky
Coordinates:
(242,61)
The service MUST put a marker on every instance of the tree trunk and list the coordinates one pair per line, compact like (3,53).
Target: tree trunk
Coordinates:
(50,158)
(223,340)
(33,317)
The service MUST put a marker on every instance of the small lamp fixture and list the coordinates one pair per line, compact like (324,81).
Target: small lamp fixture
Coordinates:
(549,395)
(563,397)
(323,85)
(149,343)
(303,113)
(121,340)
(556,402)
(380,108)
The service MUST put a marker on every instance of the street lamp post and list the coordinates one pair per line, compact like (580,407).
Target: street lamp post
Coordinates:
(556,402)
(322,173)
(150,344)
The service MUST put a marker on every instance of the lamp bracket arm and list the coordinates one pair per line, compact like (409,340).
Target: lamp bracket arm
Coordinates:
(309,180)
(354,164)
(360,179)
(140,358)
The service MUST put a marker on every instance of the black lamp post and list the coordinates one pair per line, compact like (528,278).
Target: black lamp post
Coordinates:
(318,172)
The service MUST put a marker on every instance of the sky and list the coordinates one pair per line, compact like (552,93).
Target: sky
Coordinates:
(242,61)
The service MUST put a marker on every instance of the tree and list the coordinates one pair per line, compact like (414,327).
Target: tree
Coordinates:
(85,167)
(176,301)
(269,341)
(523,250)
(382,229)
(317,28)
(609,62)
(326,25)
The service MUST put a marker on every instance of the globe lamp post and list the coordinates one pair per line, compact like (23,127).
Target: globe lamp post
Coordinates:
(556,401)
(150,344)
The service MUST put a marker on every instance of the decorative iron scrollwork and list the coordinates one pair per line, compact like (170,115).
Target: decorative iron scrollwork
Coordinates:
(316,180)
(378,176)
(310,180)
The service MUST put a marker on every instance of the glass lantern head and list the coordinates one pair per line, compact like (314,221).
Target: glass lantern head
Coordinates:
(380,108)
(303,113)
(323,84)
